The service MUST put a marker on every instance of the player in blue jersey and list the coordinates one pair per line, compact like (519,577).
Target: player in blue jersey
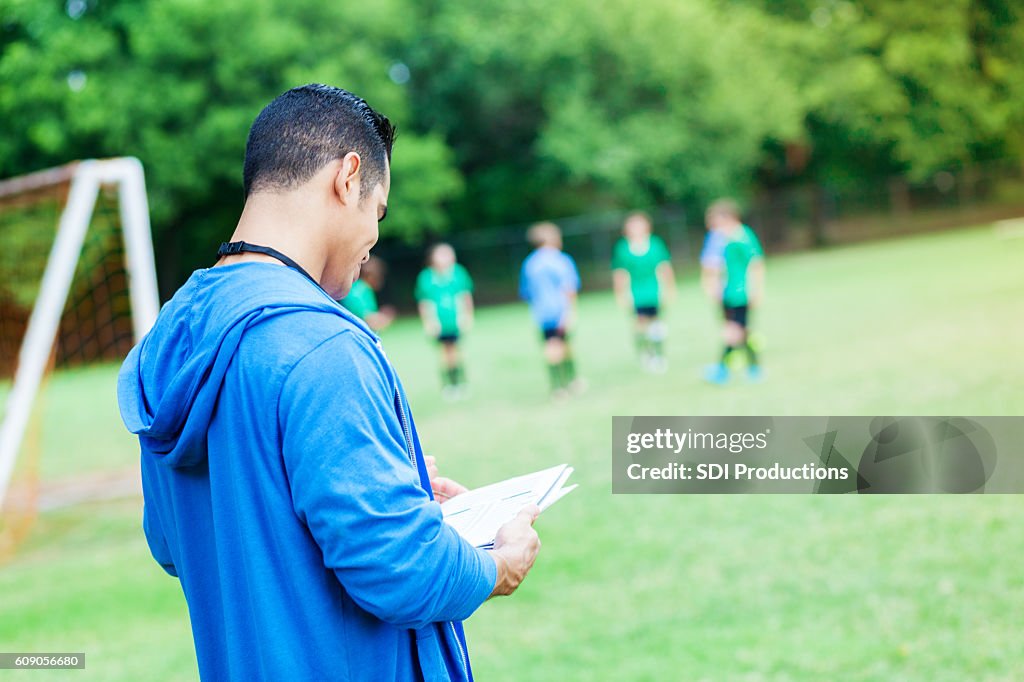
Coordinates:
(549,282)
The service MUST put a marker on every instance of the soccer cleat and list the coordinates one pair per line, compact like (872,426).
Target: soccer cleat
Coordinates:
(755,374)
(577,386)
(658,365)
(716,374)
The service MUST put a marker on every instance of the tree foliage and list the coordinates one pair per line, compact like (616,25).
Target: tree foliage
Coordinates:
(515,111)
(178,82)
(908,86)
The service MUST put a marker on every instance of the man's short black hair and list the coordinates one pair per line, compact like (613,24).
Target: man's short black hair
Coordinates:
(306,128)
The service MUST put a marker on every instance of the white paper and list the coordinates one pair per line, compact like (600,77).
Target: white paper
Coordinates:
(478,514)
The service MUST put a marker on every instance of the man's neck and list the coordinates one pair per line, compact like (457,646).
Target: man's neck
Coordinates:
(282,222)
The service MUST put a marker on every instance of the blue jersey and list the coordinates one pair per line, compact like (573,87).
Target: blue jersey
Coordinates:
(547,282)
(713,253)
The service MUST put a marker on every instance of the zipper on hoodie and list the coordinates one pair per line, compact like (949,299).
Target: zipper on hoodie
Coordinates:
(462,652)
(405,427)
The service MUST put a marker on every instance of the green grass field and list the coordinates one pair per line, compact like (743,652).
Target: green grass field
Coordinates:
(647,587)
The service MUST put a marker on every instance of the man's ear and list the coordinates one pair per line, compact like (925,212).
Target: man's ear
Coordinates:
(346,182)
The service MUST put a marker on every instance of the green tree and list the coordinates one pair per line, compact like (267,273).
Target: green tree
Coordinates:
(564,107)
(669,102)
(177,83)
(904,86)
(510,112)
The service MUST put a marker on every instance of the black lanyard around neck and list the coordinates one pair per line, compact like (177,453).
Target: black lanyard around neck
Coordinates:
(235,248)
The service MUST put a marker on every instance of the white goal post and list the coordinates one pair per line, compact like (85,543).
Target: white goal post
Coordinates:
(86,179)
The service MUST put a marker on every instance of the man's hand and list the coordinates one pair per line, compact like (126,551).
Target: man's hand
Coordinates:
(444,488)
(515,550)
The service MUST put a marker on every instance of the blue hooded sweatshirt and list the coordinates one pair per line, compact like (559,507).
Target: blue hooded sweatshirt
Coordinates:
(284,486)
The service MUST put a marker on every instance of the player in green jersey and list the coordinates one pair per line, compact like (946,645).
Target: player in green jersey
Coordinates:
(362,298)
(644,281)
(733,275)
(444,292)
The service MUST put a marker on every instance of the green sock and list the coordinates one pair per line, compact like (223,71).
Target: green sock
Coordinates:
(751,354)
(555,372)
(641,343)
(726,353)
(569,370)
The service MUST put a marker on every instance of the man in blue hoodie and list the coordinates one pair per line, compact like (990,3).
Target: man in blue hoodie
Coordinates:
(283,479)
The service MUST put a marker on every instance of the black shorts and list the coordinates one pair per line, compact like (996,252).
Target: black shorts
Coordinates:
(646,311)
(553,333)
(736,313)
(448,338)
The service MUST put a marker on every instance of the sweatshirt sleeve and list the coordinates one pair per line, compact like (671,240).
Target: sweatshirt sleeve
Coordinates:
(355,487)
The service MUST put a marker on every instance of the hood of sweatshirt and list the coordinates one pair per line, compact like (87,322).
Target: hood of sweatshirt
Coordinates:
(168,386)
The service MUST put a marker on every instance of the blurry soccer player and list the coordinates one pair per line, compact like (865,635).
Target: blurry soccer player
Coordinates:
(362,298)
(549,282)
(444,292)
(732,274)
(644,281)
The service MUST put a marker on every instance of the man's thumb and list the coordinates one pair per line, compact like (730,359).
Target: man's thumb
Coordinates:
(530,513)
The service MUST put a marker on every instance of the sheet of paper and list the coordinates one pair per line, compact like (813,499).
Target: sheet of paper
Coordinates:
(478,514)
(555,496)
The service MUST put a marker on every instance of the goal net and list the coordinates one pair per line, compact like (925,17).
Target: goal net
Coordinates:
(77,287)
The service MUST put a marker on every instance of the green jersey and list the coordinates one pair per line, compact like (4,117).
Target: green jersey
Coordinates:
(361,300)
(738,252)
(642,269)
(444,289)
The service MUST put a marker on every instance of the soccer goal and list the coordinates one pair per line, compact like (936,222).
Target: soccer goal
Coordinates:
(77,286)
